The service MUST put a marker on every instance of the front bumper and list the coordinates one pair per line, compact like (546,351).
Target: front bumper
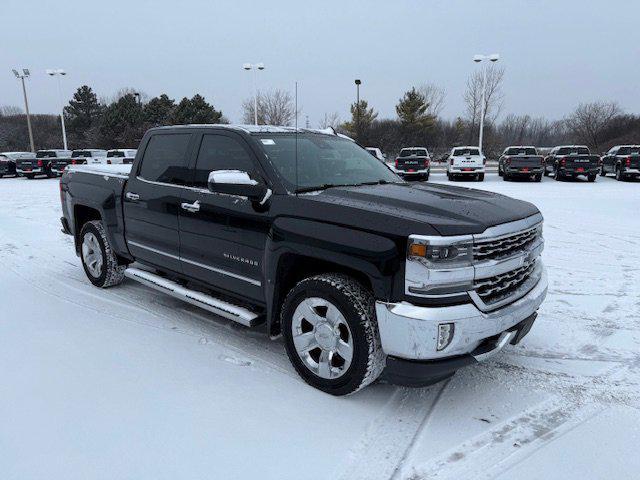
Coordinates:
(410,332)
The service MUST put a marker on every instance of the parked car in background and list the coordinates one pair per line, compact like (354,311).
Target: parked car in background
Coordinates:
(413,162)
(363,275)
(8,161)
(623,161)
(569,161)
(42,163)
(376,152)
(121,155)
(466,162)
(521,161)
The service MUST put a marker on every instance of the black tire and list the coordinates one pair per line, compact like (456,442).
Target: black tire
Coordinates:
(500,173)
(557,175)
(538,178)
(505,177)
(449,176)
(111,273)
(357,306)
(602,172)
(619,175)
(592,177)
(29,176)
(481,177)
(426,177)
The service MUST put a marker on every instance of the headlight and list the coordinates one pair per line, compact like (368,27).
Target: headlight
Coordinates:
(441,252)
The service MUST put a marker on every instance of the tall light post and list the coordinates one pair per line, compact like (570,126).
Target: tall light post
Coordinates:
(494,57)
(358,83)
(58,72)
(254,67)
(21,76)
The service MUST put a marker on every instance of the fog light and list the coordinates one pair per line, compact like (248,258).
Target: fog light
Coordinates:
(445,335)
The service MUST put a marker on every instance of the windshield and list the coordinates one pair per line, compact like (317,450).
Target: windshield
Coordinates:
(573,151)
(323,161)
(419,152)
(520,151)
(459,152)
(80,153)
(115,154)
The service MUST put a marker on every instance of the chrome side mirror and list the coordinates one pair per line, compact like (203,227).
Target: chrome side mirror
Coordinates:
(237,182)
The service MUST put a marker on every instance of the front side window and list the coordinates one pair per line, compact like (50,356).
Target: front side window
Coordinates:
(315,160)
(165,158)
(219,152)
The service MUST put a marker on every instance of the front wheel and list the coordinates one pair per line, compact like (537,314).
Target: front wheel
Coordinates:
(331,333)
(481,177)
(98,258)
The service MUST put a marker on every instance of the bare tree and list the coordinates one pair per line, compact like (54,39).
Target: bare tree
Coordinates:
(10,110)
(589,121)
(494,97)
(330,120)
(275,107)
(434,96)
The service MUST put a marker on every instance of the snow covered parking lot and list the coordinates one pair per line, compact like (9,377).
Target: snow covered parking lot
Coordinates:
(128,383)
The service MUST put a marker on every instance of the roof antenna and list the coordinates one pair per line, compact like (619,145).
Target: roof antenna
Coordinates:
(296,143)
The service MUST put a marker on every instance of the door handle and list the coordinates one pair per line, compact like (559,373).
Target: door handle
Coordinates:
(191,207)
(134,197)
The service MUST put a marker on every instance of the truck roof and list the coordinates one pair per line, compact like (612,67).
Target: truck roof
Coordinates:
(256,129)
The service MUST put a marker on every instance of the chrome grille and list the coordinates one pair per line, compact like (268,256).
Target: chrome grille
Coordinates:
(504,246)
(494,289)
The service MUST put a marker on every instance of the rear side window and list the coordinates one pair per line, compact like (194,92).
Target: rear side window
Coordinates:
(165,158)
(219,152)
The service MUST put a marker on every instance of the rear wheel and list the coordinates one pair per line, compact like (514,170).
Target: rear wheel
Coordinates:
(331,333)
(602,172)
(500,173)
(29,176)
(505,177)
(557,175)
(98,258)
(592,177)
(481,177)
(426,177)
(619,175)
(449,176)
(538,177)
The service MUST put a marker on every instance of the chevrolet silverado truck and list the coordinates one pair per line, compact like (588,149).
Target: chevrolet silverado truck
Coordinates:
(569,161)
(413,162)
(42,164)
(521,162)
(465,162)
(623,161)
(305,233)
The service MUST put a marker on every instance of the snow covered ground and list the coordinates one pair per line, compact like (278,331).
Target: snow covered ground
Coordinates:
(128,383)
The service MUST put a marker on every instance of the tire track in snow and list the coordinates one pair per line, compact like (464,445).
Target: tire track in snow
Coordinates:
(383,448)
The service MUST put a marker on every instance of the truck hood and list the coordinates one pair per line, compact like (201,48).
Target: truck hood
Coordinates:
(403,209)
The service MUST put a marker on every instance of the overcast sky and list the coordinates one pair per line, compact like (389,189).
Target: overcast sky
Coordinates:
(556,53)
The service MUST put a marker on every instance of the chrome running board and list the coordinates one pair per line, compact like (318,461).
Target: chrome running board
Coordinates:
(238,314)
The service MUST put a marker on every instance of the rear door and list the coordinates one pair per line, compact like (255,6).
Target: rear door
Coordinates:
(222,240)
(152,200)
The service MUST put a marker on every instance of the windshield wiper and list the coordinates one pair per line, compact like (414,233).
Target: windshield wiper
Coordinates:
(324,186)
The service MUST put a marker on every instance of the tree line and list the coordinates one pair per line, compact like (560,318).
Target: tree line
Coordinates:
(122,120)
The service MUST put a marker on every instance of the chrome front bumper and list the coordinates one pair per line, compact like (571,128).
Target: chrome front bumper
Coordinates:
(410,332)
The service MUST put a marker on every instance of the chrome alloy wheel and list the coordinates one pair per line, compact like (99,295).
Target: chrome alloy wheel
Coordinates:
(322,337)
(92,254)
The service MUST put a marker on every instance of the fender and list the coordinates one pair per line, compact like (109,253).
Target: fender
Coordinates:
(107,200)
(295,242)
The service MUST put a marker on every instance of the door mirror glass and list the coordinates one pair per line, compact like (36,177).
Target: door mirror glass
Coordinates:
(237,182)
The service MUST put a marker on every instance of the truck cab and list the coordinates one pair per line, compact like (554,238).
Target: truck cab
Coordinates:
(466,162)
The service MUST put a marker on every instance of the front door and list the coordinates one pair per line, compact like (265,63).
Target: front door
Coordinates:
(152,200)
(215,228)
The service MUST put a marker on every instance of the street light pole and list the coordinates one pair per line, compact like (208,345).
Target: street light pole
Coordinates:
(58,72)
(358,82)
(25,74)
(254,67)
(480,58)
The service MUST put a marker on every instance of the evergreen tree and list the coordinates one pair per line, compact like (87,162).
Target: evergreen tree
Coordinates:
(362,118)
(158,111)
(82,113)
(122,123)
(414,120)
(195,110)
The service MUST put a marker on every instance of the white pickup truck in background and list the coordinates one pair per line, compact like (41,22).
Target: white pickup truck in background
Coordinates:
(121,155)
(466,162)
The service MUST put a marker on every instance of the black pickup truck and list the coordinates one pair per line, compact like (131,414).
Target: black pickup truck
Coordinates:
(623,161)
(523,162)
(306,233)
(569,161)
